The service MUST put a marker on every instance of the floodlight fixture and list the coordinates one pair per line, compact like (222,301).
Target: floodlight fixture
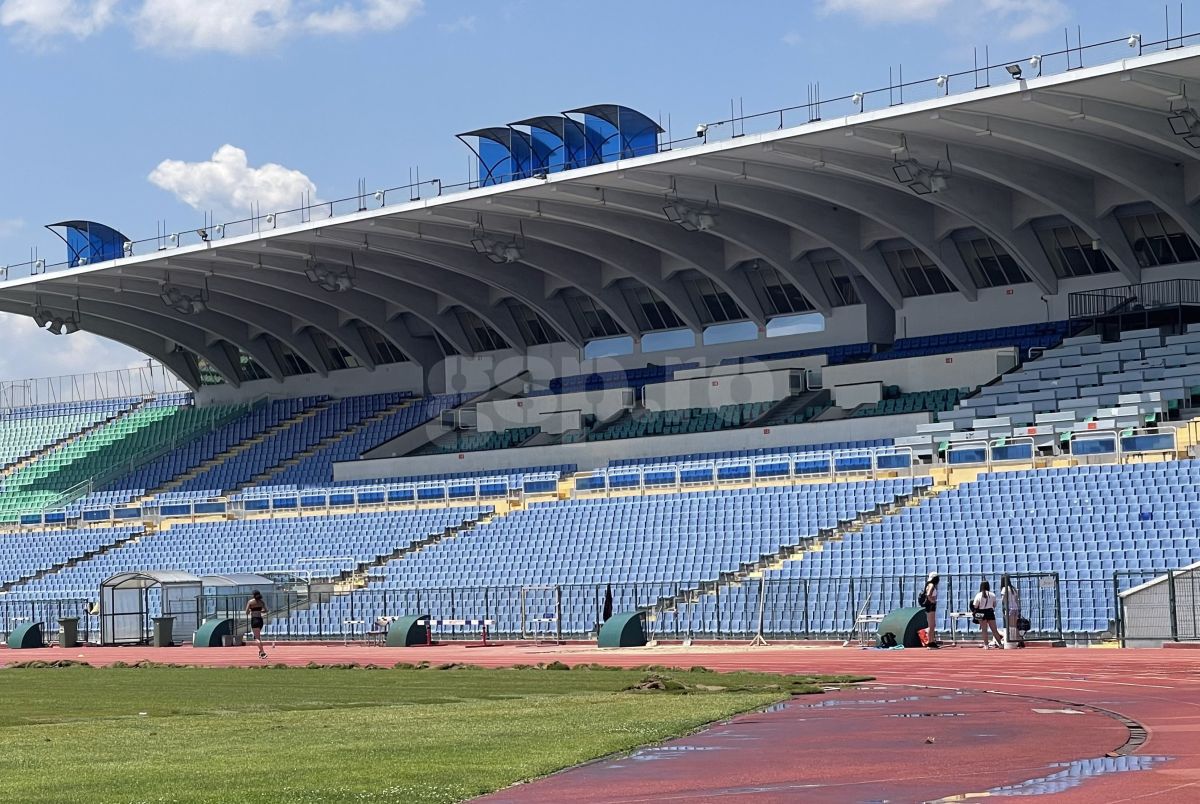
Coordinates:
(59,325)
(42,317)
(380,197)
(904,172)
(1035,61)
(271,219)
(39,265)
(1014,70)
(857,100)
(181,302)
(331,280)
(203,234)
(1134,40)
(127,248)
(702,130)
(219,230)
(690,218)
(942,80)
(173,240)
(1185,123)
(497,251)
(920,186)
(920,179)
(81,261)
(541,175)
(1179,125)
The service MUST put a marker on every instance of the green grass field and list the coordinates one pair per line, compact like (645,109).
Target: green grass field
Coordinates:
(158,734)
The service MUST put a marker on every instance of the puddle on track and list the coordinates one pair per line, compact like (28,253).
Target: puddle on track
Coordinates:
(1069,775)
(661,752)
(929,714)
(856,702)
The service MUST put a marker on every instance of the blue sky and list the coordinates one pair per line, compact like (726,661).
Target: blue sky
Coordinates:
(131,112)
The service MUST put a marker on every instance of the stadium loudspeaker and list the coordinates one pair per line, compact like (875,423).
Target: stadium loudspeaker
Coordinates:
(26,635)
(212,633)
(904,624)
(408,632)
(622,631)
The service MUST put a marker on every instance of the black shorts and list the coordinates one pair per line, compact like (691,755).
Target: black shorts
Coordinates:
(988,615)
(256,622)
(931,607)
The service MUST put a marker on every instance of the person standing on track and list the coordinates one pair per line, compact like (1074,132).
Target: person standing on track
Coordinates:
(928,600)
(1010,601)
(983,611)
(256,609)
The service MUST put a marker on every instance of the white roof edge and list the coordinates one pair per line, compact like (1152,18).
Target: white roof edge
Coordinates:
(609,168)
(1159,580)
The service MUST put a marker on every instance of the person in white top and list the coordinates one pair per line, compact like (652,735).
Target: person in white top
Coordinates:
(984,609)
(1010,601)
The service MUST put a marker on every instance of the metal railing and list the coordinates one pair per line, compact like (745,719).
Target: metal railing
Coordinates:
(1095,446)
(1158,606)
(152,379)
(1159,295)
(54,513)
(864,464)
(15,613)
(1080,610)
(737,125)
(793,609)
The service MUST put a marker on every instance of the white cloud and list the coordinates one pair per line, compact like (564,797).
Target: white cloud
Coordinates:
(10,226)
(1013,19)
(1024,19)
(886,10)
(460,24)
(41,20)
(31,352)
(793,39)
(231,26)
(238,26)
(376,15)
(249,26)
(228,185)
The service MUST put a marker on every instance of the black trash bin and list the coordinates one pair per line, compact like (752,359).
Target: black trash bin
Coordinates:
(162,632)
(68,632)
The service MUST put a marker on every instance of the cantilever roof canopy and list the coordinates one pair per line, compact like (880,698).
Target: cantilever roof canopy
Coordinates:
(237,579)
(145,579)
(743,229)
(88,241)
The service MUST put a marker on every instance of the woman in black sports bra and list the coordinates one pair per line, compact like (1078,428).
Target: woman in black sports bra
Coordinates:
(257,610)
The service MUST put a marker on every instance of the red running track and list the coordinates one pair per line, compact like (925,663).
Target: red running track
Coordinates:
(848,746)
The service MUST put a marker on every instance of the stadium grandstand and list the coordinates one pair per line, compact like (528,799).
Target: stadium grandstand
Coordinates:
(758,382)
